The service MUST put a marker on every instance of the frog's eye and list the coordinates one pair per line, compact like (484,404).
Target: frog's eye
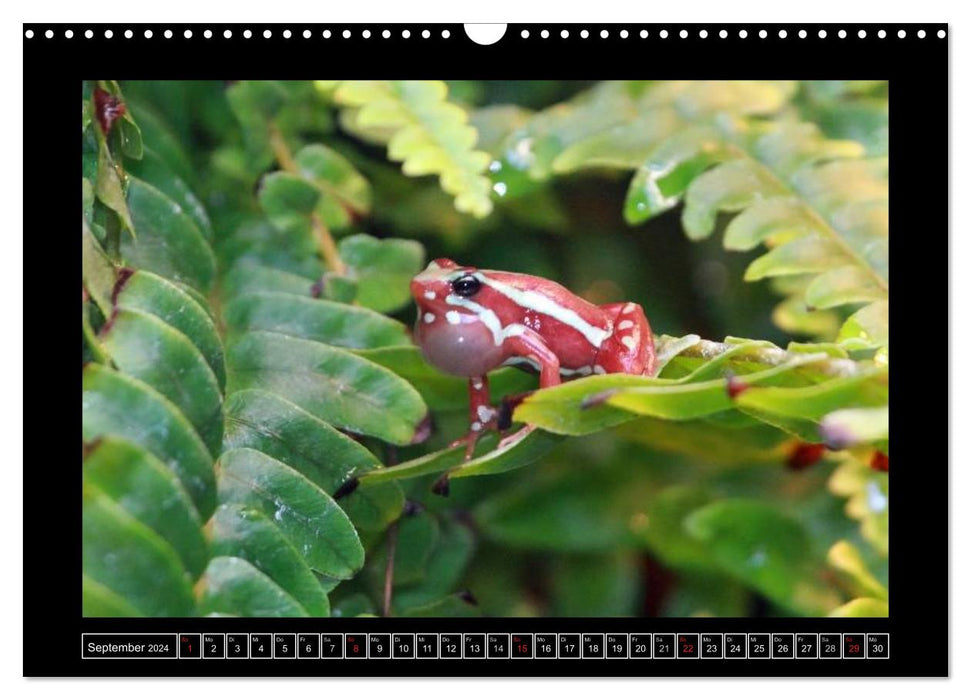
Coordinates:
(466,286)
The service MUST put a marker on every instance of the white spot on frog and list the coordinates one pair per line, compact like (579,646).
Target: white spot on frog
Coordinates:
(477,385)
(628,342)
(429,294)
(485,413)
(628,307)
(453,317)
(477,426)
(429,318)
(624,325)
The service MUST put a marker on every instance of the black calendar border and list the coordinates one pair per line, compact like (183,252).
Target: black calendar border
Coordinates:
(918,74)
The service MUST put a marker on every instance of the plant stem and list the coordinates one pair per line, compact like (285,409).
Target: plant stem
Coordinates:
(389,568)
(325,241)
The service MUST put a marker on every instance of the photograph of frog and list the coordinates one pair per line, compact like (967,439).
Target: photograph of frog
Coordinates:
(462,348)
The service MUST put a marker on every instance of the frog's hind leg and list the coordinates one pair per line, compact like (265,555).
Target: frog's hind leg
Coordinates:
(482,417)
(630,346)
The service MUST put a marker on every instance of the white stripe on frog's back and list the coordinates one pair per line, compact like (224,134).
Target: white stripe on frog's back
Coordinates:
(534,301)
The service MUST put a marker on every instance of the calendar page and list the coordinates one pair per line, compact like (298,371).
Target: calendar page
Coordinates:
(435,350)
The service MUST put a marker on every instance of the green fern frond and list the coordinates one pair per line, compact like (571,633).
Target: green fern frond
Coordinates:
(428,134)
(819,204)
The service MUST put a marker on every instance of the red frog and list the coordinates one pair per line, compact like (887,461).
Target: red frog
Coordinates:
(472,321)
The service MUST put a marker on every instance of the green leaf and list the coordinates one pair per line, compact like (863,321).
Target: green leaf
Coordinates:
(130,560)
(314,319)
(867,494)
(332,384)
(233,586)
(248,277)
(560,409)
(660,183)
(809,254)
(169,242)
(624,146)
(782,217)
(596,585)
(517,450)
(141,485)
(144,291)
(146,348)
(761,546)
(793,316)
(255,103)
(130,137)
(590,404)
(494,124)
(100,601)
(818,198)
(288,200)
(848,427)
(109,187)
(706,440)
(113,404)
(846,559)
(163,142)
(573,512)
(318,529)
(335,175)
(869,326)
(257,242)
(867,388)
(593,403)
(382,268)
(97,271)
(340,288)
(430,463)
(426,132)
(443,569)
(624,124)
(153,170)
(418,537)
(327,457)
(731,186)
(844,285)
(246,533)
(662,527)
(862,607)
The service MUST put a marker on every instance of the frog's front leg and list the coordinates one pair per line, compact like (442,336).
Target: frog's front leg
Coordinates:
(482,416)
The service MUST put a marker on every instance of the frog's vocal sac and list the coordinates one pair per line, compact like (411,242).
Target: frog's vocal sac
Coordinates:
(471,321)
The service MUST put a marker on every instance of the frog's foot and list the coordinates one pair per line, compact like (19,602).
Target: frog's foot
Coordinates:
(471,438)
